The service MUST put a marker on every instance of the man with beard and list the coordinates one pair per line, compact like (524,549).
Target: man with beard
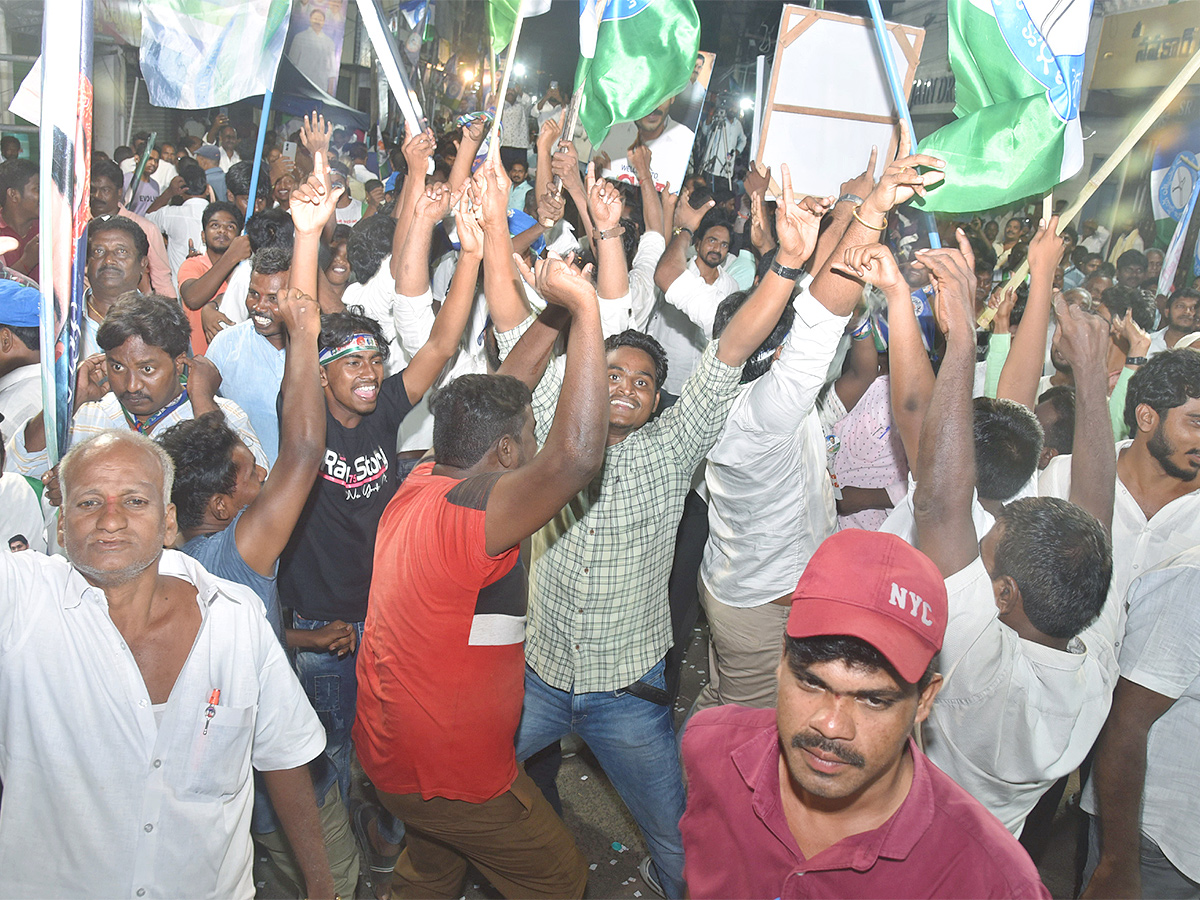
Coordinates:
(106,202)
(1157,510)
(828,794)
(1181,320)
(683,319)
(203,277)
(144,382)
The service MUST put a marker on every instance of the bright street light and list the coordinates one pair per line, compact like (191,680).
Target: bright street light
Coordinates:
(519,70)
(468,76)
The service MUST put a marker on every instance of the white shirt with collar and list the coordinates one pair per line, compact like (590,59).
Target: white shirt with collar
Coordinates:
(20,397)
(1013,716)
(1158,342)
(770,498)
(157,808)
(1139,544)
(682,322)
(233,301)
(181,224)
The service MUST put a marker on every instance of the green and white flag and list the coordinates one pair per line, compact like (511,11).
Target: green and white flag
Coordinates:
(643,53)
(198,54)
(502,18)
(1018,73)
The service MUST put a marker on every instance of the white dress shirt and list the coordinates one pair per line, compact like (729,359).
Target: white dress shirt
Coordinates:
(20,397)
(1159,653)
(770,498)
(233,301)
(642,292)
(181,224)
(156,809)
(20,513)
(682,322)
(1013,716)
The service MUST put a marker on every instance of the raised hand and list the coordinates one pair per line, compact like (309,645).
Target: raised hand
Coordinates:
(549,133)
(797,222)
(1003,300)
(470,232)
(757,182)
(1133,333)
(862,185)
(204,378)
(550,208)
(1046,247)
(315,134)
(639,157)
(212,320)
(418,150)
(874,264)
(604,201)
(435,202)
(491,192)
(760,233)
(240,246)
(91,380)
(192,251)
(1083,336)
(686,216)
(565,164)
(559,282)
(313,202)
(300,313)
(901,180)
(953,276)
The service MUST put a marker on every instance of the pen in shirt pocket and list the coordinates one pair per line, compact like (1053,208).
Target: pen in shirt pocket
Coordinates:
(213,699)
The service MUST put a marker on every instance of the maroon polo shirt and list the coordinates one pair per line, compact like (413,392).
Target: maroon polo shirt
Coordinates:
(941,842)
(14,256)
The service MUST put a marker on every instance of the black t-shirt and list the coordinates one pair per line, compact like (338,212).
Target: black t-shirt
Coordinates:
(325,571)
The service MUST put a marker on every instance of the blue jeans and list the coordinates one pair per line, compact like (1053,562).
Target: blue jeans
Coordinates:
(332,686)
(634,741)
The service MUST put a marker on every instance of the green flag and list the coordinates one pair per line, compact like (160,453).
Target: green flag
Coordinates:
(1017,80)
(502,16)
(644,53)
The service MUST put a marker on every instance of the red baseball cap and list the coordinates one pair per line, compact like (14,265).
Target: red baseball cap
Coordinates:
(877,588)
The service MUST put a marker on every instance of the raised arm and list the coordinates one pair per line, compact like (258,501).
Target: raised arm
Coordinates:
(196,293)
(853,193)
(797,222)
(428,362)
(311,206)
(418,150)
(652,210)
(1084,342)
(548,134)
(315,134)
(604,205)
(501,283)
(468,148)
(266,525)
(565,164)
(946,465)
(1023,368)
(686,220)
(901,181)
(527,498)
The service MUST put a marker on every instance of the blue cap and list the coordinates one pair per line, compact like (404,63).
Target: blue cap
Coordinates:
(20,306)
(519,221)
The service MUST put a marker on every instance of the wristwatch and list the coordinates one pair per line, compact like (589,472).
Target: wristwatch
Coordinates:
(1136,360)
(784,271)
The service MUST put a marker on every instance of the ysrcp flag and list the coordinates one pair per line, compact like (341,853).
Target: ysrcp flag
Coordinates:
(642,53)
(502,18)
(1018,74)
(1175,168)
(198,54)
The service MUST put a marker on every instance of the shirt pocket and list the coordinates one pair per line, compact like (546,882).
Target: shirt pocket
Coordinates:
(218,758)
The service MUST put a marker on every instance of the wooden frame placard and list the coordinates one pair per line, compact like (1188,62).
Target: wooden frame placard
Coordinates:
(829,99)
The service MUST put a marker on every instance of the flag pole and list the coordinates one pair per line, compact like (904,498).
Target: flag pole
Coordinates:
(251,202)
(64,128)
(893,77)
(494,145)
(1149,117)
(141,166)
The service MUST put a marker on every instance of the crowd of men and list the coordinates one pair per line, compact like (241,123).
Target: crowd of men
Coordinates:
(431,472)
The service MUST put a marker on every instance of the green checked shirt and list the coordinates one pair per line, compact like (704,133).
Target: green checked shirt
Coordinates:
(599,618)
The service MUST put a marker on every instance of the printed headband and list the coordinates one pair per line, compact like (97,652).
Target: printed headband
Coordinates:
(355,344)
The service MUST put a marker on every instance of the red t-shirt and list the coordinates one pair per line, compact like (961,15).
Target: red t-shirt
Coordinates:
(194,267)
(941,842)
(441,669)
(12,257)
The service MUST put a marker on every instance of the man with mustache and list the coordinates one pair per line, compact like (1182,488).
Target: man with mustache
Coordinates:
(828,794)
(144,382)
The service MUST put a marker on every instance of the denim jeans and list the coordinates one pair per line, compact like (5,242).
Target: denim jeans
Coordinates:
(332,686)
(634,741)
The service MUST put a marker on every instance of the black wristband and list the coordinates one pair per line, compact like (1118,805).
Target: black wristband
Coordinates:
(784,271)
(1136,360)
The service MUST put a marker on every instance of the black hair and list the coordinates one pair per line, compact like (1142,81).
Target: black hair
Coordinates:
(157,320)
(372,184)
(370,241)
(1079,256)
(985,256)
(121,154)
(271,261)
(760,360)
(29,335)
(194,178)
(270,228)
(473,412)
(1132,258)
(339,327)
(1120,299)
(237,180)
(1061,435)
(1008,443)
(1105,270)
(1060,556)
(1183,294)
(641,341)
(856,653)
(357,150)
(202,450)
(103,168)
(122,223)
(14,175)
(1169,379)
(713,218)
(219,206)
(629,240)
